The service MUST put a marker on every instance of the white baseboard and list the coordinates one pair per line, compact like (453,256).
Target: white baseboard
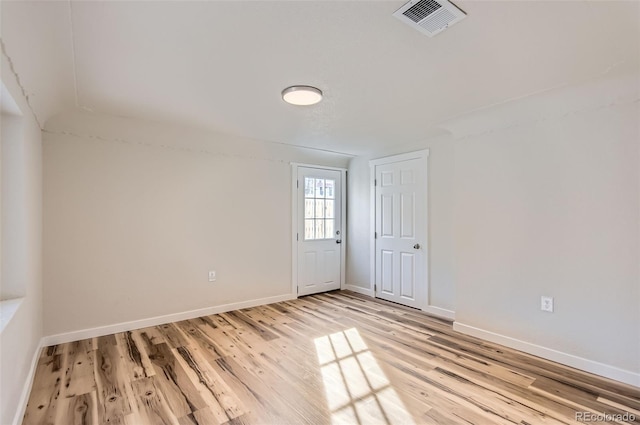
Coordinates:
(359,290)
(607,371)
(440,312)
(26,389)
(158,320)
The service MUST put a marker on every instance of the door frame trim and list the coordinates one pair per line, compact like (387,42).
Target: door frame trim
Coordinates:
(423,155)
(294,222)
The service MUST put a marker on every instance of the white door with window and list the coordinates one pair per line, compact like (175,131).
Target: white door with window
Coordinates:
(319,236)
(400,236)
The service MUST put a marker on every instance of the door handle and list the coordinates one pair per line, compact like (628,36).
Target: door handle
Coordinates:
(338,240)
(416,246)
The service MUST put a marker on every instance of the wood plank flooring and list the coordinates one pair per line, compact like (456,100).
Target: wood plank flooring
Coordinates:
(337,357)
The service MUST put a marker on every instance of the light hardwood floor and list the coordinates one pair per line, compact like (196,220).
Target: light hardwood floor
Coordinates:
(337,357)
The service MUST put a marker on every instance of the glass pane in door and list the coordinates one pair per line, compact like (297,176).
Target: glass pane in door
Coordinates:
(319,208)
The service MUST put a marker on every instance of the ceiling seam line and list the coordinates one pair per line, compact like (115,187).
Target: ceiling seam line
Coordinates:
(19,82)
(620,101)
(107,139)
(560,86)
(311,148)
(73,55)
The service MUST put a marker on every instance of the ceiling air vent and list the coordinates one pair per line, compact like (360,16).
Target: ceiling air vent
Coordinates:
(429,16)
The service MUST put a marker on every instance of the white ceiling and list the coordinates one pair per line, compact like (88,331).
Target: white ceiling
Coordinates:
(222,64)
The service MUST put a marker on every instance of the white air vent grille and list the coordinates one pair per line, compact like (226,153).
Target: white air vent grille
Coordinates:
(429,16)
(421,10)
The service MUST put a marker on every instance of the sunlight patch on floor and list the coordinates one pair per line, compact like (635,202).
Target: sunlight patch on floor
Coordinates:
(357,390)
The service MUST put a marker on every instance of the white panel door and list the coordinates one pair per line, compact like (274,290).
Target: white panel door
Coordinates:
(319,235)
(401,224)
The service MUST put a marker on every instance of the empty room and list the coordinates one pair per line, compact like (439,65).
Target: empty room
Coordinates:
(319,212)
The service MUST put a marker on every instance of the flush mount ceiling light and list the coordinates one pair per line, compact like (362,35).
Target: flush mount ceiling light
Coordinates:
(302,95)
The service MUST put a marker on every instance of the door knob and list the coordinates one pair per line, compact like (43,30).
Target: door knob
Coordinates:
(338,240)
(416,246)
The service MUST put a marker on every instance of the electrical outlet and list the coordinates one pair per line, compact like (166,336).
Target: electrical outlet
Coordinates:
(212,275)
(546,304)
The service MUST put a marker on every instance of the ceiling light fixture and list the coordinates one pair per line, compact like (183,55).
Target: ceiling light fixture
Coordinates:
(302,95)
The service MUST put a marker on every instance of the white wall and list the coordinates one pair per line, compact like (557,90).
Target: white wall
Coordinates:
(135,214)
(15,267)
(21,248)
(358,228)
(538,196)
(547,203)
(440,199)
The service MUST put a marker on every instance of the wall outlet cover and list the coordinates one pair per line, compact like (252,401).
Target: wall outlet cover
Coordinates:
(546,304)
